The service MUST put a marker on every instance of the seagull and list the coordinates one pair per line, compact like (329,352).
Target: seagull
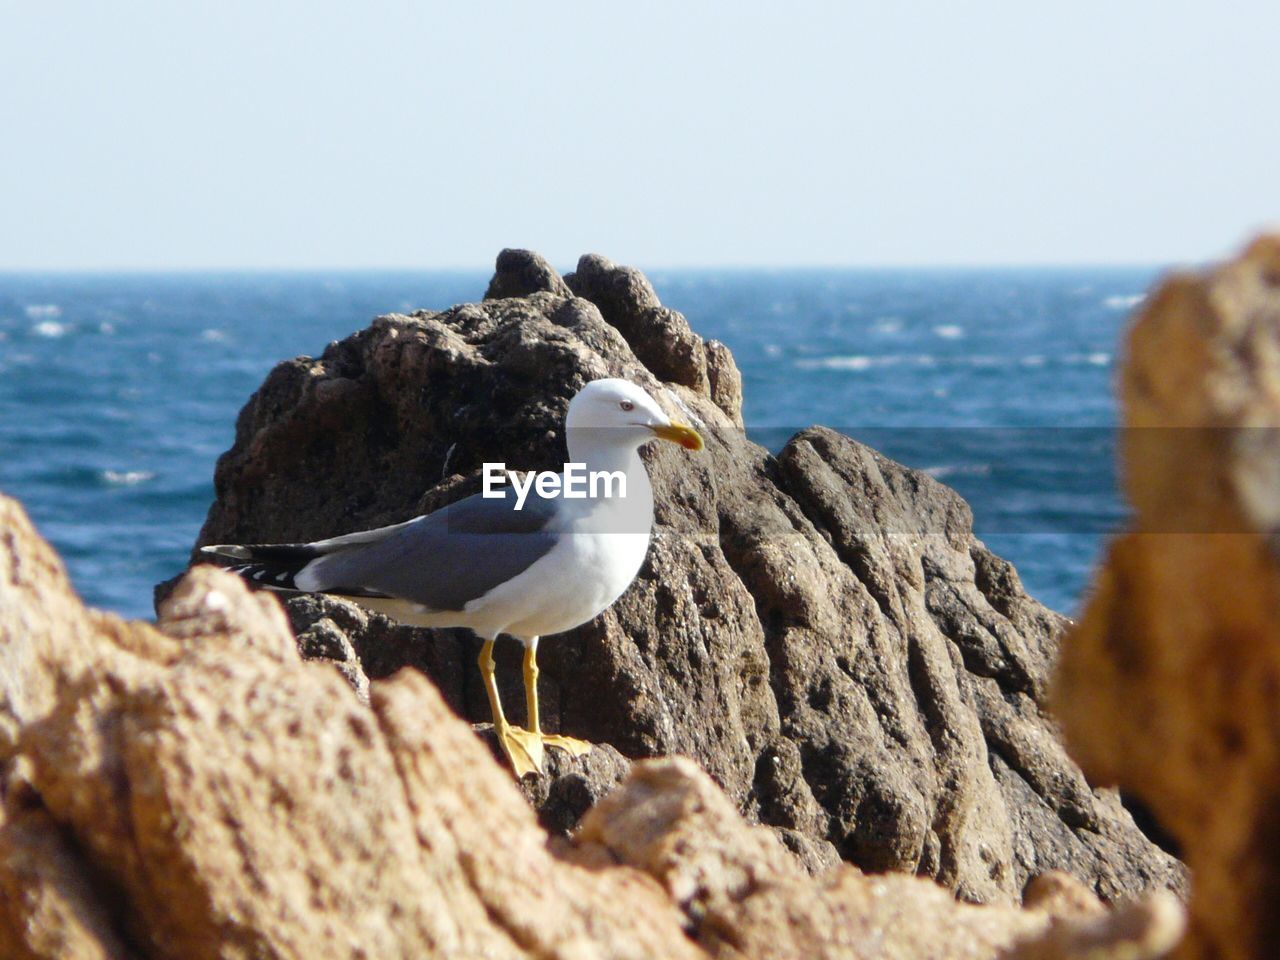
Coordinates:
(498,562)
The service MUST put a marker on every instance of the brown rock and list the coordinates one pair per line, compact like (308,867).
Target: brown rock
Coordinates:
(725,380)
(744,896)
(1168,686)
(222,798)
(49,908)
(820,630)
(660,338)
(210,795)
(522,272)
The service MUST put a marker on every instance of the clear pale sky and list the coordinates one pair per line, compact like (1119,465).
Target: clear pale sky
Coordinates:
(256,134)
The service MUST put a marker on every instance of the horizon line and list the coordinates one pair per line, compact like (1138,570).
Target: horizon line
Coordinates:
(952,266)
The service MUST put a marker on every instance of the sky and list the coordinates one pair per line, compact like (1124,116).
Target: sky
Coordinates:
(264,135)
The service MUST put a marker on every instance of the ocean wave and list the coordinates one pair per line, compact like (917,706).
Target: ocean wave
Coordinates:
(213,336)
(50,328)
(1124,302)
(842,363)
(949,331)
(126,478)
(942,471)
(1096,359)
(861,362)
(43,311)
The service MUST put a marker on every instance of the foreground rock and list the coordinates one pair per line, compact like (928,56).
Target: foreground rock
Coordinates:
(819,630)
(198,791)
(1170,683)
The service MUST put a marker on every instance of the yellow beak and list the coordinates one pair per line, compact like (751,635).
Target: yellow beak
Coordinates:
(687,437)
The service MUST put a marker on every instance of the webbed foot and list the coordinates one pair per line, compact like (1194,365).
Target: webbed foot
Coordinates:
(572,745)
(523,749)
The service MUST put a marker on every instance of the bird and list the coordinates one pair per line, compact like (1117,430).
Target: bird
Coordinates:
(498,563)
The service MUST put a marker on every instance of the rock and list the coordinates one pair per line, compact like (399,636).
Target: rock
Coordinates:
(742,895)
(198,791)
(215,796)
(522,272)
(49,906)
(659,337)
(1168,684)
(1150,928)
(819,630)
(569,786)
(725,381)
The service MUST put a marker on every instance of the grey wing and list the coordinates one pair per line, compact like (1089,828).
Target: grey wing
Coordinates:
(441,560)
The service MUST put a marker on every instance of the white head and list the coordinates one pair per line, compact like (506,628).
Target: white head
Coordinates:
(620,413)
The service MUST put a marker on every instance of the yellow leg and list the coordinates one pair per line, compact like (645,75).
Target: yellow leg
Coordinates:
(576,747)
(531,688)
(522,748)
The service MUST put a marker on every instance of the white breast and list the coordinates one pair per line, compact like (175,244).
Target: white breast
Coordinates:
(571,584)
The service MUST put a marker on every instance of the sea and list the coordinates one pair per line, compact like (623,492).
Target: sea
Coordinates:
(119,391)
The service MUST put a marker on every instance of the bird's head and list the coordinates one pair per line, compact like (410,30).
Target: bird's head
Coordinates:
(621,411)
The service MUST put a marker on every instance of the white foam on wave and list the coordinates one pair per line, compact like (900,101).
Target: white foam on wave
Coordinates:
(840,363)
(50,328)
(949,331)
(944,470)
(213,336)
(1124,302)
(1096,359)
(106,329)
(127,478)
(860,362)
(887,325)
(42,311)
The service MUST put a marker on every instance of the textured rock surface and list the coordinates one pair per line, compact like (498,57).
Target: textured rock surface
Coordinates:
(199,791)
(211,795)
(1170,684)
(820,630)
(743,896)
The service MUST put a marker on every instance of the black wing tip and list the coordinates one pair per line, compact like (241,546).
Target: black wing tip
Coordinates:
(269,565)
(265,575)
(233,550)
(286,553)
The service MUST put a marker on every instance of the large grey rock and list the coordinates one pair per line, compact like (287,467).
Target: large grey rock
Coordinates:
(819,630)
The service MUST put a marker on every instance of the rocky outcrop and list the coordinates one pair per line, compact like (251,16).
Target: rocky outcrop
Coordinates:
(819,630)
(194,790)
(1170,683)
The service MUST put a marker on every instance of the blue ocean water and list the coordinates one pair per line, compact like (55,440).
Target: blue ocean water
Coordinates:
(118,392)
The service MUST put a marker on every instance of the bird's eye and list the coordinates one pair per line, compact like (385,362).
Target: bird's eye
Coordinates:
(627,405)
